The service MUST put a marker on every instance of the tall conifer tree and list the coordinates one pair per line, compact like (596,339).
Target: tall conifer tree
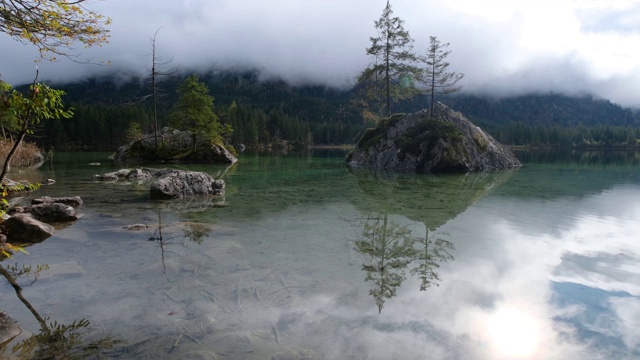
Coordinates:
(435,74)
(194,110)
(391,75)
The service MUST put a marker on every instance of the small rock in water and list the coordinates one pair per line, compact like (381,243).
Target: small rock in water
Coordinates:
(136,227)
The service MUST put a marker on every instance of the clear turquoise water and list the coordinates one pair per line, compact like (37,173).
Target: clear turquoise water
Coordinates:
(545,262)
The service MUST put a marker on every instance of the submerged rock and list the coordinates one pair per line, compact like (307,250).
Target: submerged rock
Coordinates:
(174,145)
(417,143)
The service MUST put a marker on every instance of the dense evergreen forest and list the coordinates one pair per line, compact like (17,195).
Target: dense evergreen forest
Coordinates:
(266,111)
(552,120)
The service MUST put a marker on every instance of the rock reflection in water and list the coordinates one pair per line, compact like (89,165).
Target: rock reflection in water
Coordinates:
(390,249)
(430,199)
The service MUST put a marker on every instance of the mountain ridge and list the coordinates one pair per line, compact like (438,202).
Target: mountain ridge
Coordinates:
(268,109)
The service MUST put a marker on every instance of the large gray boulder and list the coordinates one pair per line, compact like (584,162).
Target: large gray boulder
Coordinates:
(48,212)
(174,145)
(179,184)
(417,143)
(30,224)
(24,229)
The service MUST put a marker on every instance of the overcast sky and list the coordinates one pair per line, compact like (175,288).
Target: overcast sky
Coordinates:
(504,47)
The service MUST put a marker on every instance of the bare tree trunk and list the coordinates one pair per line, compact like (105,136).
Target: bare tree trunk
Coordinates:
(26,302)
(156,67)
(387,79)
(433,85)
(154,91)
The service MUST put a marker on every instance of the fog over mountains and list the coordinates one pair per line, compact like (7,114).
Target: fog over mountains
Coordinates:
(503,47)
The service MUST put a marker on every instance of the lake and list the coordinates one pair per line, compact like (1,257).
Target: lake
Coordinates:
(305,259)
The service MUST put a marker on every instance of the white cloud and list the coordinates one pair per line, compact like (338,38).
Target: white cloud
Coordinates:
(503,47)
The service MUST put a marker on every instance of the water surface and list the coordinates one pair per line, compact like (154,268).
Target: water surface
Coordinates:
(305,258)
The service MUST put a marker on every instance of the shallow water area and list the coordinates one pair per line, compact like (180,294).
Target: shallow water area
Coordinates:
(305,259)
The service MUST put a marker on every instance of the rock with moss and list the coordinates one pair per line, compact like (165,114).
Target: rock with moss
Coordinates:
(174,146)
(448,142)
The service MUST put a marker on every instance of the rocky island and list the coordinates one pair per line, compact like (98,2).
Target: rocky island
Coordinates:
(174,146)
(448,142)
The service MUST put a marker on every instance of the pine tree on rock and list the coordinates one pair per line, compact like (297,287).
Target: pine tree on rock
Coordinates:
(391,76)
(194,111)
(435,75)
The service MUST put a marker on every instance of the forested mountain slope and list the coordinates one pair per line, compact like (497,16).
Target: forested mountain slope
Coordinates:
(261,111)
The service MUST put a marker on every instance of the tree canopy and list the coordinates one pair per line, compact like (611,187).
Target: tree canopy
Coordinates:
(53,26)
(391,75)
(435,75)
(194,109)
(41,103)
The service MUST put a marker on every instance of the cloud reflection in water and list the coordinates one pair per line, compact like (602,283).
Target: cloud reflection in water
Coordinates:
(515,291)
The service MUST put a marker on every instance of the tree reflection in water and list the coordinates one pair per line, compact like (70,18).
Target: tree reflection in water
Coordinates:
(196,232)
(390,249)
(430,253)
